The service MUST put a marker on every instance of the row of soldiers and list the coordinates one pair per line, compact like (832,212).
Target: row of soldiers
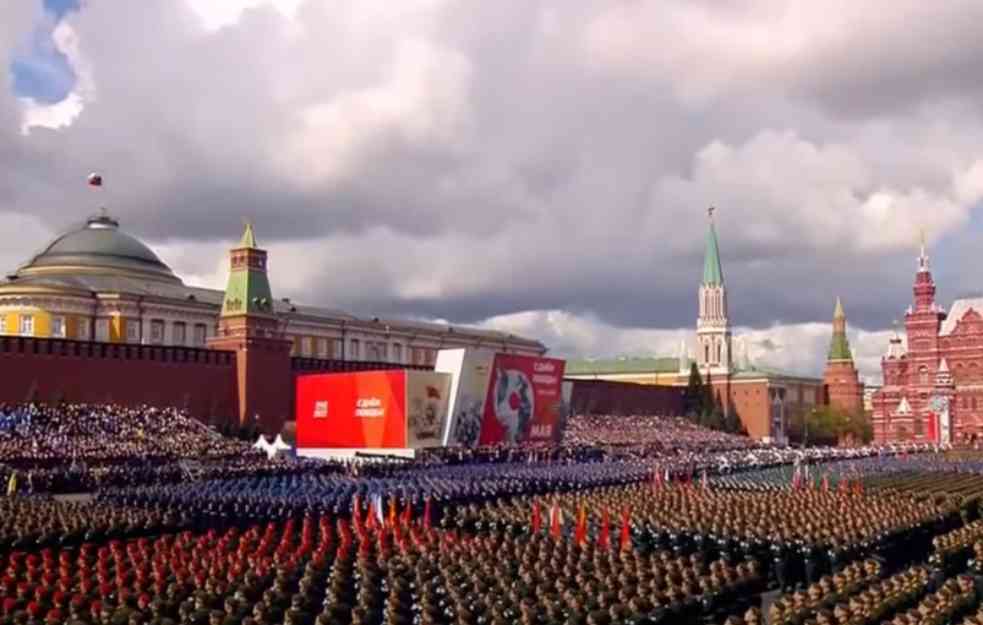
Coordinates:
(37,522)
(797,535)
(329,572)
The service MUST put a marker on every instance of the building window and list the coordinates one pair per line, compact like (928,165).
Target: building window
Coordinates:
(27,325)
(974,403)
(706,353)
(102,330)
(201,334)
(355,350)
(322,348)
(3,324)
(339,348)
(58,327)
(397,353)
(919,426)
(923,375)
(180,333)
(84,332)
(157,332)
(305,347)
(132,331)
(719,346)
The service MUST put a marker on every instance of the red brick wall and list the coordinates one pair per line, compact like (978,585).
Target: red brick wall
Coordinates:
(604,397)
(201,380)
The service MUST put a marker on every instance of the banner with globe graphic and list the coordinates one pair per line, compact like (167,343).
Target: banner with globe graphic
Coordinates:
(524,401)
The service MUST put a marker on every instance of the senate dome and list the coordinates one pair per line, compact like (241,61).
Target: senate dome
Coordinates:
(98,245)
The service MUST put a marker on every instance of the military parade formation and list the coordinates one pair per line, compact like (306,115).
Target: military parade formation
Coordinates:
(681,526)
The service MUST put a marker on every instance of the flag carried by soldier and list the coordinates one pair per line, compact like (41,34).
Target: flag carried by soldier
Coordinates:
(625,530)
(604,536)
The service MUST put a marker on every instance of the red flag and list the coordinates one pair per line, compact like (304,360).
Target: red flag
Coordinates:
(580,535)
(825,483)
(625,530)
(537,519)
(604,537)
(426,514)
(392,512)
(407,514)
(556,521)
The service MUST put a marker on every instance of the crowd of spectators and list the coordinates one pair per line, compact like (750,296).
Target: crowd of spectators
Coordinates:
(654,432)
(56,435)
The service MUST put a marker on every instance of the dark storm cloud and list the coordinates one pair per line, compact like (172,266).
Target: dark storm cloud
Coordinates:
(469,159)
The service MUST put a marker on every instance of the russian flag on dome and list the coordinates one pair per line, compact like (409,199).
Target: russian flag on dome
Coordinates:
(95,180)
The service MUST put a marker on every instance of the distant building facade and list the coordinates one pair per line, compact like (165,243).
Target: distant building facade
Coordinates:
(98,283)
(763,399)
(933,377)
(96,316)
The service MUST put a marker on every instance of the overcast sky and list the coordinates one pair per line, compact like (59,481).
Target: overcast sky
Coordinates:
(537,165)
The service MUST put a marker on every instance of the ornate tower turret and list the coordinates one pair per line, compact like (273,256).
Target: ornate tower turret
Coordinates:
(922,323)
(249,326)
(713,353)
(843,387)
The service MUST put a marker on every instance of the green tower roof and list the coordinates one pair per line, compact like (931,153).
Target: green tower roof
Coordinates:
(248,290)
(712,273)
(839,346)
(248,238)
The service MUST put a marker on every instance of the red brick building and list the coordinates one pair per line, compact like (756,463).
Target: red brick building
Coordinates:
(933,378)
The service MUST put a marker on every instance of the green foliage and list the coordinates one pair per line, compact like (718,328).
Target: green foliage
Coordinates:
(828,425)
(693,396)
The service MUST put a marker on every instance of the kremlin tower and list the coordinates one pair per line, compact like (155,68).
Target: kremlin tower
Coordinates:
(842,383)
(248,325)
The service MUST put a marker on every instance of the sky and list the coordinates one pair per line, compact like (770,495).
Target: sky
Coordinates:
(538,166)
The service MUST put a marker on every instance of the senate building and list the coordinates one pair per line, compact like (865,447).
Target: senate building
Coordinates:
(95,282)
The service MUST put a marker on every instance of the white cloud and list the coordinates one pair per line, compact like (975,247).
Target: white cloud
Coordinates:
(543,164)
(215,14)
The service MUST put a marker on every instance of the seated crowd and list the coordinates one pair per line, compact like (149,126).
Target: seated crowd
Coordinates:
(657,432)
(39,435)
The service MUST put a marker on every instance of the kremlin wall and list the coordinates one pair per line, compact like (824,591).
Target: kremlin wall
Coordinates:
(96,316)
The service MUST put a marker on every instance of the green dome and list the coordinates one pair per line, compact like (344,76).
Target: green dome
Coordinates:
(99,245)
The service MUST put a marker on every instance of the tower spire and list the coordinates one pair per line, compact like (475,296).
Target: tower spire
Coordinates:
(712,272)
(712,326)
(922,255)
(839,346)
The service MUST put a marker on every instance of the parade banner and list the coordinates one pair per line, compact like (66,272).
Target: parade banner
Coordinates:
(524,401)
(371,410)
(470,371)
(427,396)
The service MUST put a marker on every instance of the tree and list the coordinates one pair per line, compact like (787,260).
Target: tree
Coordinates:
(707,405)
(828,425)
(714,418)
(732,421)
(693,396)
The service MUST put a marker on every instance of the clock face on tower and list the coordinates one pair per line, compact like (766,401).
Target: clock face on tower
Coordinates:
(939,404)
